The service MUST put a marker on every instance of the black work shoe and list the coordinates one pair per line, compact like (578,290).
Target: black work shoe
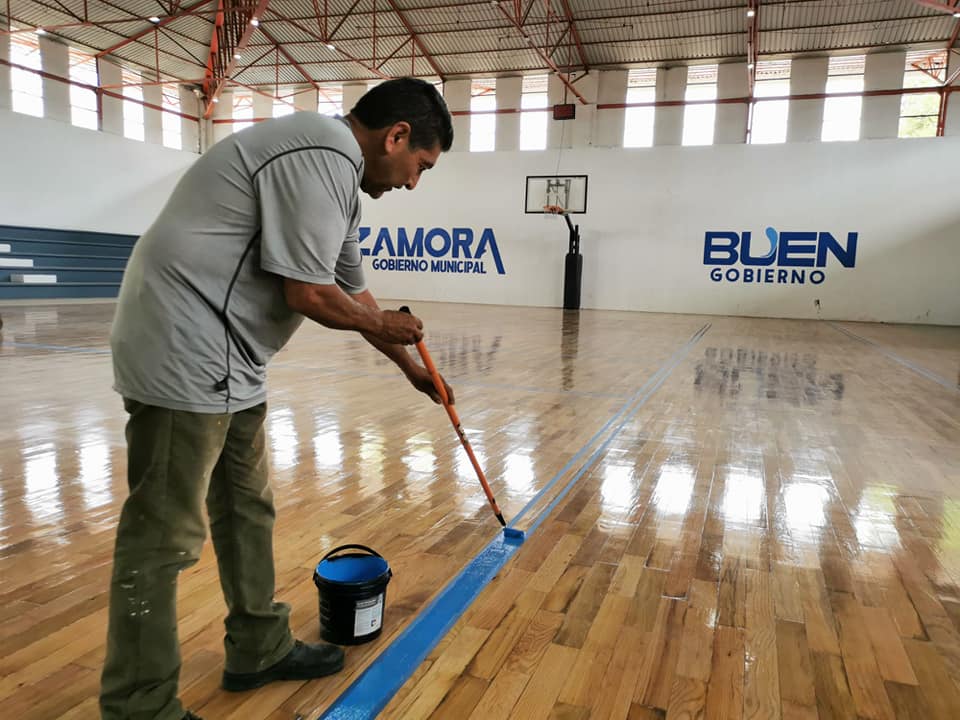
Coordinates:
(304,662)
(191,716)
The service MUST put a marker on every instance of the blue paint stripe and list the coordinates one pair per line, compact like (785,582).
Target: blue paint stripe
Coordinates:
(928,374)
(370,693)
(372,690)
(546,488)
(56,348)
(663,374)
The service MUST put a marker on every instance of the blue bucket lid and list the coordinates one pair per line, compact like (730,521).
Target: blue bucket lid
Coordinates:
(352,568)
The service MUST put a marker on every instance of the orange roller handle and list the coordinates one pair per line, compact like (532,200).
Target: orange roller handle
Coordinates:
(455,420)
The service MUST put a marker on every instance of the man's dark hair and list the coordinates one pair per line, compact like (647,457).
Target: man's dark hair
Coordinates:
(408,100)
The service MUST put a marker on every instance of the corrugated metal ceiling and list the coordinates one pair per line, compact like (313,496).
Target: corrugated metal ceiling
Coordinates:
(480,37)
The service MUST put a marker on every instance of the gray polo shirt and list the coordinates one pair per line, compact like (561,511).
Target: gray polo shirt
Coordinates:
(201,308)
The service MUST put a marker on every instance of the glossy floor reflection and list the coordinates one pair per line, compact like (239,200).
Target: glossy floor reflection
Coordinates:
(773,531)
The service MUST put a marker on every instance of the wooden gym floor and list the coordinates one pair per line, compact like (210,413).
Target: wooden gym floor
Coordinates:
(766,522)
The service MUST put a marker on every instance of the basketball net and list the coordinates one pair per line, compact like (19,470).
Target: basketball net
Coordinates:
(553,211)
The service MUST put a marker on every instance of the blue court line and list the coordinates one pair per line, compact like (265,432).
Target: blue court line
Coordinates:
(928,374)
(543,491)
(663,373)
(58,348)
(372,690)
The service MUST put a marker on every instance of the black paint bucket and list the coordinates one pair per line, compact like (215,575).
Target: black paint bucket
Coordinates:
(353,594)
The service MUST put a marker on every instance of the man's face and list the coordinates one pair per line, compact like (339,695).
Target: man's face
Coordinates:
(395,164)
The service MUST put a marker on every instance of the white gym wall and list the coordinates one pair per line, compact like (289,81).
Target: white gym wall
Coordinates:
(59,176)
(649,209)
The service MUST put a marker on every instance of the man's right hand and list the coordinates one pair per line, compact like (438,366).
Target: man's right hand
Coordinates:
(400,328)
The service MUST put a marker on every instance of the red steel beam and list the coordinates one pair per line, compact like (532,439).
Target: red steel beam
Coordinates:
(730,5)
(952,79)
(536,23)
(253,89)
(543,56)
(342,21)
(948,83)
(217,77)
(257,59)
(416,38)
(99,91)
(935,5)
(293,62)
(520,70)
(321,16)
(104,24)
(151,83)
(526,13)
(956,33)
(146,31)
(942,113)
(926,69)
(559,40)
(572,26)
(308,31)
(213,53)
(67,11)
(396,52)
(747,99)
(672,38)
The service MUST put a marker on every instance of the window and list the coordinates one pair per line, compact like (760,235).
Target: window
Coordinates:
(330,100)
(533,125)
(919,111)
(242,110)
(769,123)
(698,120)
(483,128)
(83,100)
(132,105)
(841,116)
(638,121)
(26,86)
(172,123)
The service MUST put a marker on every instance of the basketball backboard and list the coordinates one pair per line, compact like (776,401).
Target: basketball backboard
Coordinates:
(567,191)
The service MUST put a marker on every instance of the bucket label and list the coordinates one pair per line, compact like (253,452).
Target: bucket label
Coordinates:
(368,616)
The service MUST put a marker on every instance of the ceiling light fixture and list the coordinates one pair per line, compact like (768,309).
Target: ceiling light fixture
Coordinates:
(751,12)
(254,22)
(154,19)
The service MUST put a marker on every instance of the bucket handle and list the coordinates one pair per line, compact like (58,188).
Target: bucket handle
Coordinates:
(351,546)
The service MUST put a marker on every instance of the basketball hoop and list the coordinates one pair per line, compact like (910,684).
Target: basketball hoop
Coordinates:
(553,211)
